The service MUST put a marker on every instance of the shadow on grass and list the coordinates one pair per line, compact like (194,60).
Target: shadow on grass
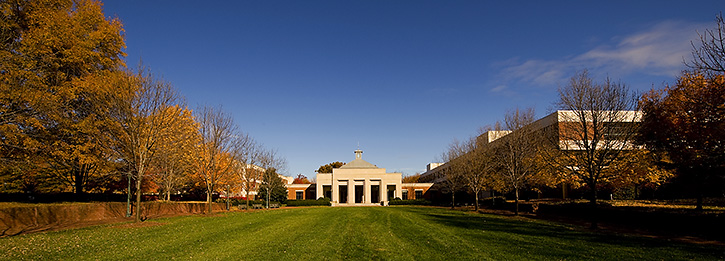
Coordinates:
(558,239)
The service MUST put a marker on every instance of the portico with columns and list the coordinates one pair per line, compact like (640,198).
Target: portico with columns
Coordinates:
(359,183)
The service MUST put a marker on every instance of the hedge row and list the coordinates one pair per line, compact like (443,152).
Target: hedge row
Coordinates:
(239,201)
(309,202)
(421,202)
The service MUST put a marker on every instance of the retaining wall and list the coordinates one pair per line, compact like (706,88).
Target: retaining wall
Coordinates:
(17,220)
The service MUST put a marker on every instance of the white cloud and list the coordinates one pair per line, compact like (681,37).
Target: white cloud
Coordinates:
(658,50)
(499,88)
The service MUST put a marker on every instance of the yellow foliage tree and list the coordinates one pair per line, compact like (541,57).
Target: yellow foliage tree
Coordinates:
(175,150)
(51,52)
(637,168)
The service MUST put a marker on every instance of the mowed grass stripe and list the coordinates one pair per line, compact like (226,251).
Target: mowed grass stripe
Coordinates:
(401,233)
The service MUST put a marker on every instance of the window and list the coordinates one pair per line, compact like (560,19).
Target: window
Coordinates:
(299,195)
(418,194)
(405,194)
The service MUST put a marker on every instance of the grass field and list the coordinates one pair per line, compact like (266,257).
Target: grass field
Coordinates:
(401,233)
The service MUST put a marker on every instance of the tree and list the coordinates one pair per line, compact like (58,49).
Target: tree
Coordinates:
(687,121)
(640,168)
(216,149)
(515,153)
(478,175)
(327,168)
(709,56)
(272,187)
(454,171)
(248,155)
(301,179)
(411,179)
(598,126)
(174,155)
(142,123)
(50,57)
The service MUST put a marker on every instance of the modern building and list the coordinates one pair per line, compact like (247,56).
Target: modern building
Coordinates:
(561,129)
(358,183)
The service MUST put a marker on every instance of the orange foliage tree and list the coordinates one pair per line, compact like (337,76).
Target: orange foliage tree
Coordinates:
(301,179)
(687,121)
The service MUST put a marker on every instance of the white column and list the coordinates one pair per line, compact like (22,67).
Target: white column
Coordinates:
(383,190)
(350,191)
(335,191)
(367,188)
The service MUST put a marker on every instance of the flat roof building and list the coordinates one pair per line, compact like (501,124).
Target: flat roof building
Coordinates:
(358,183)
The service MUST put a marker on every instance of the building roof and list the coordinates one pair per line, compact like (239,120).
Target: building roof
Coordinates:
(358,163)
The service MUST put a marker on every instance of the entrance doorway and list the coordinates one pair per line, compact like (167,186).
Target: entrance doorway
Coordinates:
(343,194)
(327,191)
(359,193)
(391,192)
(375,193)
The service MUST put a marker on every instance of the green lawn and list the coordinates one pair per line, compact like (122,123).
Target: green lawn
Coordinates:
(401,233)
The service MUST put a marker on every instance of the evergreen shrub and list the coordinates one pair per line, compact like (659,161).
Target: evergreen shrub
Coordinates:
(309,202)
(421,202)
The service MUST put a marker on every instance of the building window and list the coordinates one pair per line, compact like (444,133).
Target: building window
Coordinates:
(405,194)
(418,194)
(299,195)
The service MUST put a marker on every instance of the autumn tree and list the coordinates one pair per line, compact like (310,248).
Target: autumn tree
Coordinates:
(175,153)
(142,123)
(478,169)
(640,168)
(411,178)
(301,179)
(453,179)
(515,153)
(687,121)
(598,124)
(52,104)
(216,150)
(327,168)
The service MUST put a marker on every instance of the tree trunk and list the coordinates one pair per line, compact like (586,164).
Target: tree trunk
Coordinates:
(594,207)
(78,184)
(476,195)
(516,200)
(138,197)
(699,201)
(209,189)
(453,200)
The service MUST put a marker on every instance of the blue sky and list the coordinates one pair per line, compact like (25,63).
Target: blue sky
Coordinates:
(312,79)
